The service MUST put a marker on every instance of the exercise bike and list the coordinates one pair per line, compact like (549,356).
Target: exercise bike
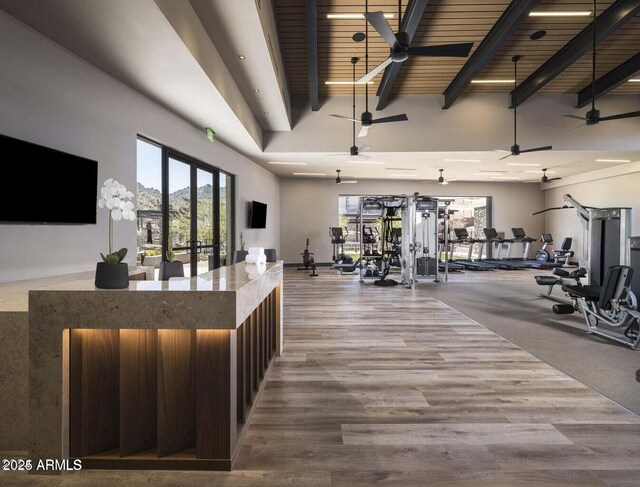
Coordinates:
(610,311)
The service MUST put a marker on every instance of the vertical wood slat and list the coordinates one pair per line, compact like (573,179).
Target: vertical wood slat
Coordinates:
(176,391)
(93,391)
(260,344)
(256,351)
(249,360)
(242,373)
(138,390)
(216,382)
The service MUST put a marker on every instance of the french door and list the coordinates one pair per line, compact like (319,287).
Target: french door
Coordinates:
(192,221)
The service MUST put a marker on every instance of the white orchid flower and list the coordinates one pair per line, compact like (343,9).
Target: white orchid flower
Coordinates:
(115,197)
(116,214)
(101,203)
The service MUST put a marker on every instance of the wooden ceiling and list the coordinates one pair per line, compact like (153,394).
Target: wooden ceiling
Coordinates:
(446,21)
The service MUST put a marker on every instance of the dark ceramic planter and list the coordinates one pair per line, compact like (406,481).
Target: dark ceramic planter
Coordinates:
(239,256)
(112,276)
(171,269)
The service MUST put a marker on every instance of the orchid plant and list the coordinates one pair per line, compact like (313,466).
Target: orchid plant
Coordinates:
(115,197)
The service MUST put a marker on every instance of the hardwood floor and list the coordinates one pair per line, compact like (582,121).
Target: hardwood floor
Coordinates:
(392,387)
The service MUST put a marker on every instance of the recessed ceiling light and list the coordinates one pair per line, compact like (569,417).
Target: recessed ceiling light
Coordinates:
(560,13)
(242,57)
(539,34)
(489,173)
(411,176)
(256,90)
(522,164)
(347,83)
(462,160)
(353,16)
(538,172)
(308,174)
(613,160)
(492,81)
(288,163)
(266,113)
(399,169)
(506,178)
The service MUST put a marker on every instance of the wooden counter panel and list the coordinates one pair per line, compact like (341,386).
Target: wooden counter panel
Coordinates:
(176,391)
(138,390)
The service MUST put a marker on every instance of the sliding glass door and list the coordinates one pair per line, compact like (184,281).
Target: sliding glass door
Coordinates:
(192,206)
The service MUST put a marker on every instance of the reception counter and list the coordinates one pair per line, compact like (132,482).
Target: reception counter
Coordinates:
(162,375)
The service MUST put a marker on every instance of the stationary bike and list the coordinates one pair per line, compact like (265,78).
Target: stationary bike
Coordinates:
(308,261)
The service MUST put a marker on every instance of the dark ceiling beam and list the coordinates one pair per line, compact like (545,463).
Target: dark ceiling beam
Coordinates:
(608,22)
(311,7)
(410,20)
(508,22)
(610,81)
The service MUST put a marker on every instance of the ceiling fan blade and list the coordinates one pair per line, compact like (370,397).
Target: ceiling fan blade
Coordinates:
(364,156)
(445,50)
(372,74)
(364,148)
(392,118)
(503,158)
(537,149)
(380,24)
(573,116)
(342,116)
(620,116)
(343,154)
(553,179)
(576,128)
(364,131)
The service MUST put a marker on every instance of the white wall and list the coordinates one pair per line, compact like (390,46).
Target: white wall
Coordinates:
(308,207)
(618,191)
(51,97)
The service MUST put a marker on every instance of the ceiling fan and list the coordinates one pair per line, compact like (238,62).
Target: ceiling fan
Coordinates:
(515,148)
(441,179)
(340,181)
(366,119)
(545,178)
(400,44)
(593,116)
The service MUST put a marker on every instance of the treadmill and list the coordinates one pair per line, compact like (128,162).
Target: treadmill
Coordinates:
(520,236)
(462,236)
(491,237)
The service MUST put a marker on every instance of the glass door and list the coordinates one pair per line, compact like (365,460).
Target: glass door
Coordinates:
(180,213)
(205,247)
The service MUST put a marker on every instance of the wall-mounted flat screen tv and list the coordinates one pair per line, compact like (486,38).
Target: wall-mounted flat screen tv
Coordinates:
(257,215)
(43,185)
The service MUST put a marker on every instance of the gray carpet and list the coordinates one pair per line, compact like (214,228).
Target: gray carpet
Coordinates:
(508,303)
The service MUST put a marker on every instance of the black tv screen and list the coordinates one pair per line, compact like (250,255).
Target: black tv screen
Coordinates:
(257,215)
(46,185)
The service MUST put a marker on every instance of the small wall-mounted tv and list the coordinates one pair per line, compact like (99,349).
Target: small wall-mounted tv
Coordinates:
(257,215)
(44,185)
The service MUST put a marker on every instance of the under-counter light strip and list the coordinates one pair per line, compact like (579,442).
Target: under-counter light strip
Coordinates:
(634,80)
(492,81)
(354,16)
(613,160)
(560,13)
(347,83)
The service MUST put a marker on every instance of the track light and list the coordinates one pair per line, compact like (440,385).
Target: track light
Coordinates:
(441,179)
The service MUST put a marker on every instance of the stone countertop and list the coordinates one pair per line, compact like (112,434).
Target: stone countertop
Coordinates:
(14,296)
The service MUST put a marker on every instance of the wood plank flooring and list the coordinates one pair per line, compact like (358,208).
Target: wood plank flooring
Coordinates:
(392,387)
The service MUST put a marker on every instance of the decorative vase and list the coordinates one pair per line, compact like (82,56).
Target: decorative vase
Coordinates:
(112,276)
(171,269)
(239,256)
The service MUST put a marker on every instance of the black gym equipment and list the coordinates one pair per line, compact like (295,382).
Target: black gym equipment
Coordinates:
(609,310)
(492,237)
(338,239)
(308,261)
(560,277)
(462,237)
(559,256)
(520,236)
